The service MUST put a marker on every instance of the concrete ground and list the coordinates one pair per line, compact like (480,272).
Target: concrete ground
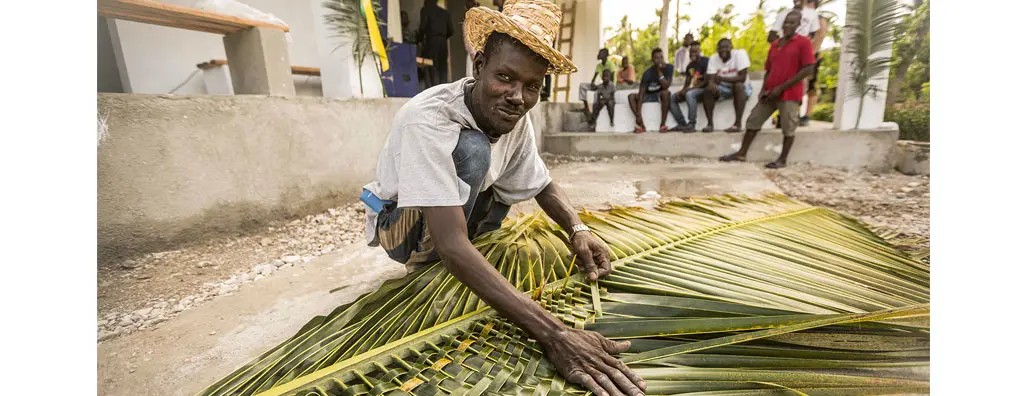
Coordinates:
(199,346)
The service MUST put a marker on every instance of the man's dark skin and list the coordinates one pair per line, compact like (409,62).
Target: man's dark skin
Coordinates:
(711,94)
(602,55)
(798,5)
(789,26)
(636,100)
(694,52)
(508,84)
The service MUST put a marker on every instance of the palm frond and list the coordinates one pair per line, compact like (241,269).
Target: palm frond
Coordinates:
(719,296)
(872,25)
(350,28)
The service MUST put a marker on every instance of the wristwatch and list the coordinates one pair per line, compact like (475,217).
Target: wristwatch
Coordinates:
(578,228)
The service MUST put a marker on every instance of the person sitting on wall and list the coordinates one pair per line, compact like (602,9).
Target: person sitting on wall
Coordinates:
(790,61)
(605,98)
(627,73)
(727,78)
(653,88)
(604,64)
(692,90)
(456,159)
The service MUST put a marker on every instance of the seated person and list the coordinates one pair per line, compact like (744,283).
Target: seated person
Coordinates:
(605,63)
(605,97)
(696,68)
(727,78)
(653,88)
(627,74)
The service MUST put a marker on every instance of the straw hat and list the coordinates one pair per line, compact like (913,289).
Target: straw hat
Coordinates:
(534,23)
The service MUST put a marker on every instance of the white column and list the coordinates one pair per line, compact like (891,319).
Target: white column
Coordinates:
(663,29)
(338,72)
(848,106)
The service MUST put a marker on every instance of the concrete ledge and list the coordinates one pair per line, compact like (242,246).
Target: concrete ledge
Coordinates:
(869,149)
(913,158)
(175,169)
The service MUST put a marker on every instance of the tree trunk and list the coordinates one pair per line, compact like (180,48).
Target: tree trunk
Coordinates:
(663,20)
(894,90)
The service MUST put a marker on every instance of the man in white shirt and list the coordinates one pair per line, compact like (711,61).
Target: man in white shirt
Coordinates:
(727,78)
(460,154)
(809,21)
(682,54)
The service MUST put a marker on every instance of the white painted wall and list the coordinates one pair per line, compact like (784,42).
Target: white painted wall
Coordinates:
(846,110)
(158,58)
(586,43)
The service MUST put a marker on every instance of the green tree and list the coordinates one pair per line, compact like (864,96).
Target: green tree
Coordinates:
(910,57)
(720,26)
(754,38)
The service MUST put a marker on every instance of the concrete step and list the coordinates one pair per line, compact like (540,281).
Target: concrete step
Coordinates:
(870,149)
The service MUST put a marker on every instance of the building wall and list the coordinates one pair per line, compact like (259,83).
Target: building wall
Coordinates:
(157,59)
(173,169)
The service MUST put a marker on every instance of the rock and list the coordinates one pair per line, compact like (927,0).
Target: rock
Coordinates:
(323,229)
(143,277)
(258,277)
(226,289)
(245,277)
(126,321)
(129,264)
(278,263)
(913,184)
(213,332)
(265,241)
(307,259)
(156,321)
(267,269)
(143,312)
(291,259)
(106,335)
(906,189)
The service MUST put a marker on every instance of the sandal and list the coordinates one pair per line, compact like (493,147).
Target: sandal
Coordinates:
(733,129)
(709,128)
(663,129)
(639,129)
(776,165)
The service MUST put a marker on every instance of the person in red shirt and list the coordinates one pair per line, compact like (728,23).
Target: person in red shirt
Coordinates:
(790,60)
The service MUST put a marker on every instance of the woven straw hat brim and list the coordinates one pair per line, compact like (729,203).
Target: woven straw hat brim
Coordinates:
(482,21)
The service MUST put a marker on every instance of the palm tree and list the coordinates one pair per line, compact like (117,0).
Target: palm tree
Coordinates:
(872,24)
(724,295)
(348,21)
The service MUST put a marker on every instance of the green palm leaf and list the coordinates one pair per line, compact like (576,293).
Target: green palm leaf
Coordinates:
(719,296)
(872,24)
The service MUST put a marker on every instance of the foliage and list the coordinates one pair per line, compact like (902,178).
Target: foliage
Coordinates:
(872,25)
(910,69)
(729,295)
(913,119)
(638,43)
(720,26)
(754,39)
(350,28)
(823,111)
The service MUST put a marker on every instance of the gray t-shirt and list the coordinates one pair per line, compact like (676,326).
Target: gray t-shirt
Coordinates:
(416,168)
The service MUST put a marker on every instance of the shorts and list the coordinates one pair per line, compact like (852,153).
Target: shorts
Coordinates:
(789,115)
(652,97)
(725,90)
(812,82)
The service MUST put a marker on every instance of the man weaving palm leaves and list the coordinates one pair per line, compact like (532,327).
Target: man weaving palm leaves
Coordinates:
(460,154)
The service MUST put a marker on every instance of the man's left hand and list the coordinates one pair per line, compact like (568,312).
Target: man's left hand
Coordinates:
(592,255)
(774,94)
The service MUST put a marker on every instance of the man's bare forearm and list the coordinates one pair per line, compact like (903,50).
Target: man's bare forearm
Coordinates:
(448,229)
(555,203)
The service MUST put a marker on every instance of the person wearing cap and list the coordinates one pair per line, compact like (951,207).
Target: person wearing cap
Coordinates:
(456,159)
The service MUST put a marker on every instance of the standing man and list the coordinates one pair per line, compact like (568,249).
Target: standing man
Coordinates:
(653,88)
(682,55)
(460,154)
(692,90)
(790,60)
(812,84)
(809,23)
(727,78)
(435,30)
(603,64)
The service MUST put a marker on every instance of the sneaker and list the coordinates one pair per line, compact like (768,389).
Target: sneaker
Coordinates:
(804,121)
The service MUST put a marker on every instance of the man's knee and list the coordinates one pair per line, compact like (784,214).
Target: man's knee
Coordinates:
(472,155)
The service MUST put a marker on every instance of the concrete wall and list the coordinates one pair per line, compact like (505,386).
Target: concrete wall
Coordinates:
(108,78)
(174,169)
(157,58)
(869,149)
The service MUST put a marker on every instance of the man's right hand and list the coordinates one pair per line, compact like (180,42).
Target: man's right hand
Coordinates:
(585,358)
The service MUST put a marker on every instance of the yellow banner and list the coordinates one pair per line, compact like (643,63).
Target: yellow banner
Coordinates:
(375,40)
